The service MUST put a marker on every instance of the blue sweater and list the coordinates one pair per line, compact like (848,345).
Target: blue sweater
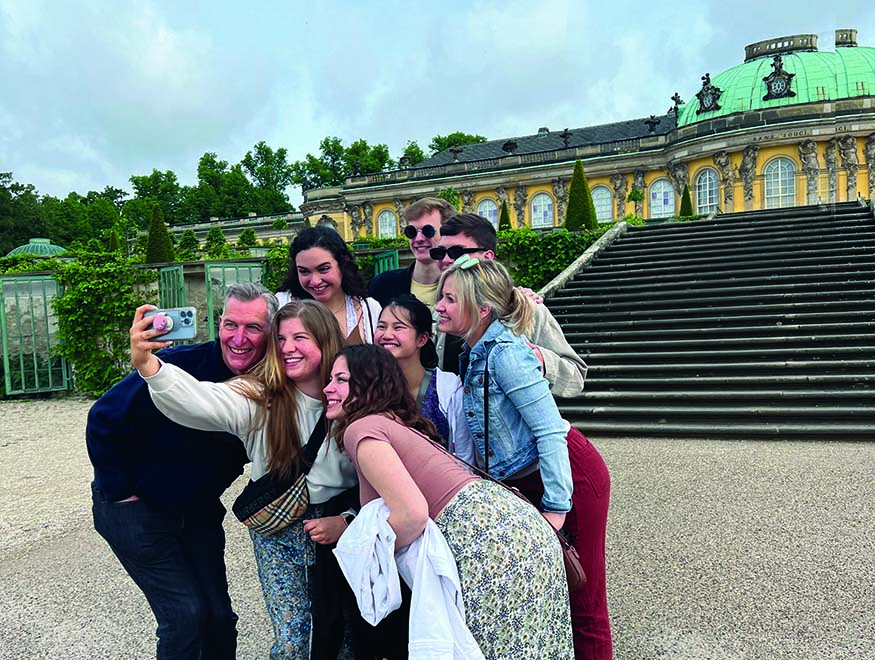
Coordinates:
(135,450)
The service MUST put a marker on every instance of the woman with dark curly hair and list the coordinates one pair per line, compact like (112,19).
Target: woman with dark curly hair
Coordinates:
(322,267)
(508,558)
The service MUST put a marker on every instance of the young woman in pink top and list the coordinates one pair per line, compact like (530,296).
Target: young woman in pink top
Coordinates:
(509,561)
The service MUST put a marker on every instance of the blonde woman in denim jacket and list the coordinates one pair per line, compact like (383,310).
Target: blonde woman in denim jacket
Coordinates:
(530,446)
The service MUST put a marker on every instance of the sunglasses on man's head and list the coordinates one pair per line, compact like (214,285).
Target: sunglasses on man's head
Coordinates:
(454,252)
(427,230)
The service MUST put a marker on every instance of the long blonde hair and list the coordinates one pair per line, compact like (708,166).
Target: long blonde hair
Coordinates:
(270,387)
(486,283)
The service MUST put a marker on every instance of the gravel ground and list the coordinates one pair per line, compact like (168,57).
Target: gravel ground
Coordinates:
(716,550)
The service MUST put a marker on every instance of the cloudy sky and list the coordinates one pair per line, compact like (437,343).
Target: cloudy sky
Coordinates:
(93,91)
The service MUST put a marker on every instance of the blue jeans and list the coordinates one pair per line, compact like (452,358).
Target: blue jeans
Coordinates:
(178,561)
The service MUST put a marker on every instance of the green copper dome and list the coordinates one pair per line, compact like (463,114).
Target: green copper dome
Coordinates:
(811,76)
(40,247)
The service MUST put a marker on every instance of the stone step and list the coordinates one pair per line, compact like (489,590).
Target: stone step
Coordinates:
(783,381)
(799,412)
(661,396)
(595,334)
(837,281)
(830,266)
(763,318)
(722,344)
(729,355)
(743,429)
(698,369)
(710,232)
(827,240)
(753,297)
(725,310)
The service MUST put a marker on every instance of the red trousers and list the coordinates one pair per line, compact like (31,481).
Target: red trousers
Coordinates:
(586,523)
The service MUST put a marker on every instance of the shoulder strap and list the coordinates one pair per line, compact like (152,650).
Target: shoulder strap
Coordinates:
(423,387)
(311,449)
(486,411)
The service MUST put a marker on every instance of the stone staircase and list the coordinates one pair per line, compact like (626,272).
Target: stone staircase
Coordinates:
(758,324)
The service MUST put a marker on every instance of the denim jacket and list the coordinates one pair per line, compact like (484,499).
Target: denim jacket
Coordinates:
(524,422)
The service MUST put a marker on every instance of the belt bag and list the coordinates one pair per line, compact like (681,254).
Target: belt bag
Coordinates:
(269,505)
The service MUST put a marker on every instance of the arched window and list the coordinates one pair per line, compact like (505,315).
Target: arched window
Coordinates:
(489,210)
(661,195)
(603,200)
(387,224)
(779,179)
(542,211)
(706,191)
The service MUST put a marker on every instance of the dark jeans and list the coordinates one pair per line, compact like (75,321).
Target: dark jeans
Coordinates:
(178,562)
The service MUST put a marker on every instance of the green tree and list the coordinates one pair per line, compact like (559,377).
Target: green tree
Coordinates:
(686,203)
(161,187)
(580,213)
(504,217)
(458,139)
(102,215)
(280,223)
(450,195)
(21,214)
(67,219)
(215,244)
(414,153)
(269,170)
(114,244)
(247,238)
(159,248)
(336,162)
(186,249)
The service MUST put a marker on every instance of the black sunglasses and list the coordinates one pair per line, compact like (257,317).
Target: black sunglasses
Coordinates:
(454,252)
(427,230)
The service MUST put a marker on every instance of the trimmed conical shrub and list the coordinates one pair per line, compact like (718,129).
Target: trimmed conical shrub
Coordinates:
(580,213)
(503,218)
(159,248)
(686,203)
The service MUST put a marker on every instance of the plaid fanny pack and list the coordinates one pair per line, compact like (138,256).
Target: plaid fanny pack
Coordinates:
(269,505)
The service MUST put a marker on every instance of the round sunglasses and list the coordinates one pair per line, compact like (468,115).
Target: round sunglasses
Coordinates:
(427,230)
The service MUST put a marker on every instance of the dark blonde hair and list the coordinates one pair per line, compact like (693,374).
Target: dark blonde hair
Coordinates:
(270,387)
(487,283)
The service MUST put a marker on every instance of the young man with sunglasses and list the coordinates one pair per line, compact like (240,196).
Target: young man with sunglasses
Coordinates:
(423,220)
(472,234)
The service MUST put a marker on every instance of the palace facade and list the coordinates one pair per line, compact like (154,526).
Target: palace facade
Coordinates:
(792,125)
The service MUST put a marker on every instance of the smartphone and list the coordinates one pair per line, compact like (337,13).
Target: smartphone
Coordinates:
(180,323)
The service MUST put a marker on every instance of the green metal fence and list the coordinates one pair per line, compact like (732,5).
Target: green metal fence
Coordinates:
(171,287)
(29,328)
(219,277)
(385,261)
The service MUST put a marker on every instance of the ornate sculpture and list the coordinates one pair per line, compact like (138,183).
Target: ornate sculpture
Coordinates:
(520,196)
(638,184)
(869,150)
(747,171)
(778,81)
(399,207)
(355,216)
(652,123)
(678,102)
(708,96)
(851,163)
(560,192)
(502,195)
(829,157)
(566,136)
(509,147)
(368,213)
(811,167)
(326,220)
(456,151)
(618,182)
(679,174)
(467,198)
(724,165)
